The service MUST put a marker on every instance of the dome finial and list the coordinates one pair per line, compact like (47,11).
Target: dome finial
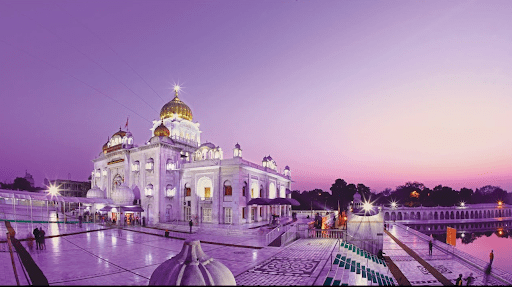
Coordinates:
(176,90)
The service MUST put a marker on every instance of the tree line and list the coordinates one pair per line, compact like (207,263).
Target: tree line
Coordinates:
(410,194)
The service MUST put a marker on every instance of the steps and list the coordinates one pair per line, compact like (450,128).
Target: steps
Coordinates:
(354,266)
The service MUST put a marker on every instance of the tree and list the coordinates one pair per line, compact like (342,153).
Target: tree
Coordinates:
(466,195)
(21,183)
(409,193)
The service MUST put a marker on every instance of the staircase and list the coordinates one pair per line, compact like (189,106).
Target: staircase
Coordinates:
(355,266)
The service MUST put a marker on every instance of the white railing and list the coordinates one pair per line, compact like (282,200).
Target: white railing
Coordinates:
(276,232)
(479,263)
(289,236)
(325,233)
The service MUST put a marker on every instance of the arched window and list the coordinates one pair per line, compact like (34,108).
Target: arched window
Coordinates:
(254,189)
(272,192)
(205,188)
(386,216)
(170,165)
(467,215)
(282,191)
(393,216)
(399,216)
(261,191)
(149,190)
(457,215)
(187,189)
(244,189)
(170,191)
(418,216)
(227,188)
(406,216)
(452,215)
(150,164)
(435,215)
(441,215)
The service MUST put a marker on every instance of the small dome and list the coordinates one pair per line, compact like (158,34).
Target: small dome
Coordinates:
(208,144)
(286,168)
(105,147)
(95,192)
(192,267)
(176,106)
(162,131)
(123,195)
(128,134)
(357,197)
(120,133)
(237,146)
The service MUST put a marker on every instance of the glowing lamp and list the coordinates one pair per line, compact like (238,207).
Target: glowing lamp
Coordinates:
(393,204)
(53,190)
(500,203)
(367,206)
(462,235)
(462,204)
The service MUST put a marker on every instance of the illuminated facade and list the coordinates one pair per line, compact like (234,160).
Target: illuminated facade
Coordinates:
(175,177)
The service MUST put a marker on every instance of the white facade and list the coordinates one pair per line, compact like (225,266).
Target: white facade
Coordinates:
(174,177)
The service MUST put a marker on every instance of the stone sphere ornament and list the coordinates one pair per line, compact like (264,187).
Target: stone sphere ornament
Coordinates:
(192,267)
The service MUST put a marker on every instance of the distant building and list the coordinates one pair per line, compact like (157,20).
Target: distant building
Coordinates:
(70,187)
(29,178)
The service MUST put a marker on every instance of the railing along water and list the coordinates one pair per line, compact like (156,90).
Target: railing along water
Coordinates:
(497,273)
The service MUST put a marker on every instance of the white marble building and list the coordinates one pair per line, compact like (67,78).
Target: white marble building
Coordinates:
(175,177)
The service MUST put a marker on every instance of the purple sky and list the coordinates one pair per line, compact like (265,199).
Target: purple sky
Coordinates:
(375,92)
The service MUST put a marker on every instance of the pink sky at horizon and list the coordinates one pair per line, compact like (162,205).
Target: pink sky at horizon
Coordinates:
(374,92)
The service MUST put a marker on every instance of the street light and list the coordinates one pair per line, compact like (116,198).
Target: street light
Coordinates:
(462,204)
(53,190)
(393,204)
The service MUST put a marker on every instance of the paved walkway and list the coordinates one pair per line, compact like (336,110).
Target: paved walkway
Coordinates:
(444,262)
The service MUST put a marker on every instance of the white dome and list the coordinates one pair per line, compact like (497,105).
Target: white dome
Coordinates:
(95,192)
(123,195)
(192,267)
(357,197)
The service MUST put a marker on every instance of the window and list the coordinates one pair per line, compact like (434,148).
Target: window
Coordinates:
(243,191)
(188,191)
(261,191)
(170,191)
(243,212)
(149,164)
(261,211)
(136,166)
(228,190)
(149,190)
(207,193)
(252,192)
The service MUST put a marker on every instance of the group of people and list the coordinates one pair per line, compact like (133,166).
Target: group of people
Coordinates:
(39,238)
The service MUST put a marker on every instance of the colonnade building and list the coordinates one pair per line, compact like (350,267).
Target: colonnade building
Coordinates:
(174,176)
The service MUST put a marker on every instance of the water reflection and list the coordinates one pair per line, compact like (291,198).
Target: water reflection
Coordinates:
(467,237)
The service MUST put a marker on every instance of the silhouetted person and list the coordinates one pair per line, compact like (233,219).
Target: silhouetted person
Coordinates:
(41,238)
(380,254)
(79,221)
(36,236)
(430,247)
(491,257)
(458,282)
(144,221)
(190,223)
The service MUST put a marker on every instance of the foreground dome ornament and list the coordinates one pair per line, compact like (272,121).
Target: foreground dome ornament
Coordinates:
(192,267)
(176,106)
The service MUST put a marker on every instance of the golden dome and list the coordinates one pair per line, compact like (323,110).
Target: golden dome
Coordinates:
(176,106)
(162,131)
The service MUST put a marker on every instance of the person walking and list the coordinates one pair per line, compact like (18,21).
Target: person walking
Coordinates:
(430,247)
(491,257)
(190,223)
(36,237)
(80,221)
(458,282)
